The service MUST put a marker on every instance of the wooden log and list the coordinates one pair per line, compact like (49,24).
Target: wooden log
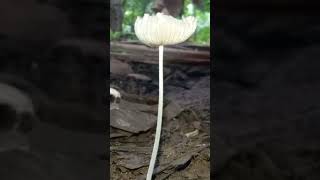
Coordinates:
(172,54)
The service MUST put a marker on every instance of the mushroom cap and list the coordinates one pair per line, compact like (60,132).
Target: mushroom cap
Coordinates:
(163,29)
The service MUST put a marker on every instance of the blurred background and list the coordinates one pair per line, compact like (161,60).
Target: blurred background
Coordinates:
(53,75)
(266,90)
(124,13)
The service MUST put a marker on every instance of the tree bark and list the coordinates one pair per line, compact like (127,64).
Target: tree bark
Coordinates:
(116,15)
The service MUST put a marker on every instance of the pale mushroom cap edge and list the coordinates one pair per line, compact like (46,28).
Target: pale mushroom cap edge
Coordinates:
(162,29)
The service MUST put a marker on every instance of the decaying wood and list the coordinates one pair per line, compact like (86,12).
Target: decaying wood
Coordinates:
(149,100)
(143,150)
(131,120)
(152,109)
(173,54)
(174,163)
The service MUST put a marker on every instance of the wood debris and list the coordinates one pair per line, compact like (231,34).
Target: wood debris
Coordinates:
(132,52)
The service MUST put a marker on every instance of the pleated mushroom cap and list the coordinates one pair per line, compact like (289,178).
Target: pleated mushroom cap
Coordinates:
(162,29)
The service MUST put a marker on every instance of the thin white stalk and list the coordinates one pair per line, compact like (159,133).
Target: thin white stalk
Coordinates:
(159,118)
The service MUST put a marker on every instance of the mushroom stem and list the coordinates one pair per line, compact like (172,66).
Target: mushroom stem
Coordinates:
(159,118)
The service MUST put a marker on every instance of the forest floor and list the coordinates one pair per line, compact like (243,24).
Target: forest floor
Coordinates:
(184,151)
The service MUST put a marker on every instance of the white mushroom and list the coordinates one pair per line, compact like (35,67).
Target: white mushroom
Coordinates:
(116,94)
(160,29)
(116,99)
(156,31)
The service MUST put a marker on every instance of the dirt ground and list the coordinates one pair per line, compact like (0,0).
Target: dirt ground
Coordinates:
(185,141)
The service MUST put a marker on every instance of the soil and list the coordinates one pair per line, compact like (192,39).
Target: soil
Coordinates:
(184,151)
